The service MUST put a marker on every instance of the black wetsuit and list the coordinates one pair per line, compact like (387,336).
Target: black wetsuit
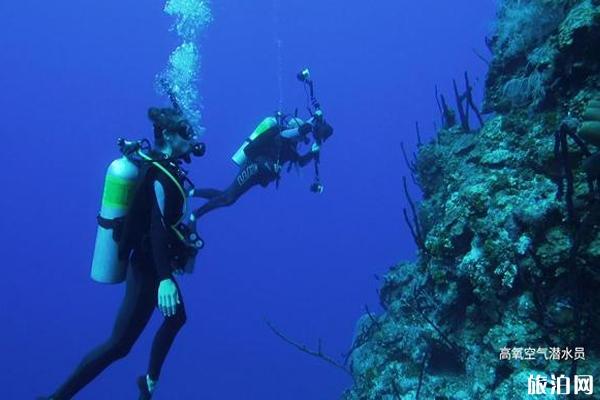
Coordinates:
(152,244)
(266,156)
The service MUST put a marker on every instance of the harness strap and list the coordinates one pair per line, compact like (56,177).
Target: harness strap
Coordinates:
(116,224)
(175,181)
(175,226)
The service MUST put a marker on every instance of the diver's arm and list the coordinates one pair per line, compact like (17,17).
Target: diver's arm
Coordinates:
(308,157)
(205,193)
(296,133)
(293,132)
(168,295)
(158,233)
(290,133)
(305,159)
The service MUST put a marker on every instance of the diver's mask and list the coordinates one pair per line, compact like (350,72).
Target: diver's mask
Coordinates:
(197,148)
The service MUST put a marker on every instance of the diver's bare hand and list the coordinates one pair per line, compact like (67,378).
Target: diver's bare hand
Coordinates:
(168,297)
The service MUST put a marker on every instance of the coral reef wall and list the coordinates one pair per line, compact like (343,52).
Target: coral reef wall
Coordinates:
(506,284)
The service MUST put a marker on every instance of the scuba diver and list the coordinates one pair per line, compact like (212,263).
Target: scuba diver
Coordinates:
(146,246)
(264,153)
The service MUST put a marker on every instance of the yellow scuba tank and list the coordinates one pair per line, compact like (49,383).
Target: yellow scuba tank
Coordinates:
(240,157)
(119,186)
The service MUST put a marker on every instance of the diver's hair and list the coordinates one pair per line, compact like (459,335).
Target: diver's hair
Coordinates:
(168,119)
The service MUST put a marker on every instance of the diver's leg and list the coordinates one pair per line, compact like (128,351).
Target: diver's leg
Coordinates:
(134,313)
(164,338)
(207,193)
(245,179)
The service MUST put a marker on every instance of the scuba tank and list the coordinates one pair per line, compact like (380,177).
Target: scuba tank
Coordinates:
(121,183)
(240,156)
(119,188)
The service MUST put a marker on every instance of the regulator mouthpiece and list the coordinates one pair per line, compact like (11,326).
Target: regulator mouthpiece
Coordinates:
(199,149)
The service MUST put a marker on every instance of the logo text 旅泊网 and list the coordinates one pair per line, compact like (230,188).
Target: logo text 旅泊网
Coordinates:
(560,385)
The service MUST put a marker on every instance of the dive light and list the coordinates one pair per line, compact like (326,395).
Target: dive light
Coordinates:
(317,188)
(304,75)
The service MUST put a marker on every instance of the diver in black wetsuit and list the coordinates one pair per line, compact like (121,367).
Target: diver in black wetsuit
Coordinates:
(265,156)
(148,236)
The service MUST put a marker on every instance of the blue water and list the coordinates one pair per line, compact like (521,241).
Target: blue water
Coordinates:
(77,75)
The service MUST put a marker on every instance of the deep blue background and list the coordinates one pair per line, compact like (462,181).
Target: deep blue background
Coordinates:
(77,75)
